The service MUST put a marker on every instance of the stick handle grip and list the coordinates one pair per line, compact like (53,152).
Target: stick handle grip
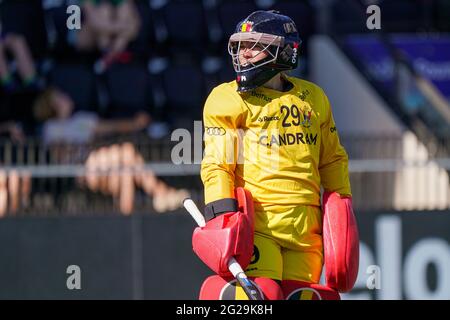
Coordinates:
(192,208)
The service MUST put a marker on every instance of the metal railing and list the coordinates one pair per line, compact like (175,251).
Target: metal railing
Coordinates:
(386,173)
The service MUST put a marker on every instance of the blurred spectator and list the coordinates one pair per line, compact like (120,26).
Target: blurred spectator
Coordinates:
(55,109)
(26,18)
(109,26)
(15,191)
(3,193)
(118,170)
(13,131)
(20,83)
(110,29)
(17,47)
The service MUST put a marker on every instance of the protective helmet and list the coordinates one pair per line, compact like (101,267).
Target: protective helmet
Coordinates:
(273,33)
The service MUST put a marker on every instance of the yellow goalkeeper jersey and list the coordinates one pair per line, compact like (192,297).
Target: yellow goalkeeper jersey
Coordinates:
(281,146)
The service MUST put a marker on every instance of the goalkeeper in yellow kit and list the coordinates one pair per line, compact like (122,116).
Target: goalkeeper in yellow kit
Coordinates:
(275,136)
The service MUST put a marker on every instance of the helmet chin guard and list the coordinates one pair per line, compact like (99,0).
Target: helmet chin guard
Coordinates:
(277,38)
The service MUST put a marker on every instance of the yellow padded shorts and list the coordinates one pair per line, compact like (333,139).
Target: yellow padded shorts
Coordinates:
(288,245)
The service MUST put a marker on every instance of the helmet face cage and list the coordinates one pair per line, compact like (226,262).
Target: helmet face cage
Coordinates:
(268,43)
(275,36)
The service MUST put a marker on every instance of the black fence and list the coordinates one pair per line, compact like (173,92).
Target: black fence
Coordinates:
(386,173)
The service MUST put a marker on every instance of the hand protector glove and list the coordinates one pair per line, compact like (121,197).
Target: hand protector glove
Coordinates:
(227,235)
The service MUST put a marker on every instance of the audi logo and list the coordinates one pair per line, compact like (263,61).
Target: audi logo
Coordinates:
(215,131)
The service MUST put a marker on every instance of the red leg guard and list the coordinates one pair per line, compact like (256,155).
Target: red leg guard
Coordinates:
(299,290)
(340,242)
(227,288)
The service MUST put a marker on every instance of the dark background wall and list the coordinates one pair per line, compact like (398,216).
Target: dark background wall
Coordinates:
(120,258)
(150,257)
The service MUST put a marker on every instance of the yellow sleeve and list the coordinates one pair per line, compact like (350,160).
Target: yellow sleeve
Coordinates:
(333,163)
(222,117)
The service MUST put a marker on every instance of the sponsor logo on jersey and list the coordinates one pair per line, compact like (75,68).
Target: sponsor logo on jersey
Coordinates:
(307,118)
(304,94)
(333,129)
(260,96)
(215,131)
(288,139)
(268,119)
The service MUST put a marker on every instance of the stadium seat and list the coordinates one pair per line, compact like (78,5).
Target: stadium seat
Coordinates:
(301,13)
(127,86)
(227,74)
(443,15)
(144,43)
(78,81)
(212,21)
(179,24)
(184,90)
(211,67)
(348,16)
(402,15)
